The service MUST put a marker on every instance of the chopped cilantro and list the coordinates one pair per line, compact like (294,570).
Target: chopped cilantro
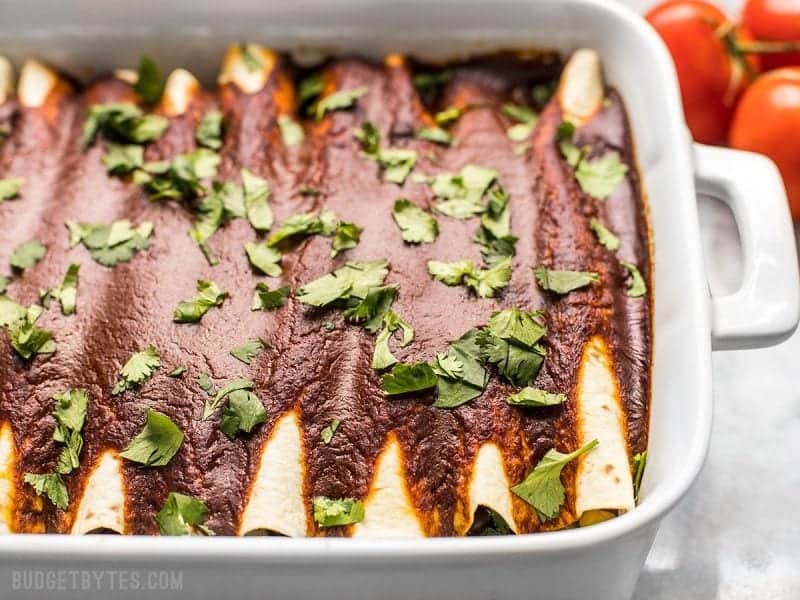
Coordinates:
(563,282)
(212,404)
(370,310)
(345,236)
(396,163)
(10,188)
(266,299)
(264,258)
(484,282)
(291,131)
(326,435)
(138,369)
(511,341)
(70,414)
(639,463)
(113,243)
(122,122)
(416,225)
(156,443)
(339,101)
(192,310)
(530,396)
(209,130)
(597,177)
(542,488)
(407,378)
(256,201)
(177,371)
(247,352)
(526,119)
(242,413)
(437,135)
(430,84)
(607,239)
(460,372)
(448,115)
(299,224)
(463,192)
(181,178)
(637,286)
(332,512)
(182,515)
(353,280)
(205,383)
(382,357)
(52,486)
(67,292)
(26,338)
(121,159)
(149,83)
(308,91)
(27,254)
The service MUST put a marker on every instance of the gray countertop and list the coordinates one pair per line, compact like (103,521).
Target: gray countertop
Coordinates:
(736,535)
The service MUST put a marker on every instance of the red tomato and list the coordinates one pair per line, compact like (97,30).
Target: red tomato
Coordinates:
(774,20)
(767,120)
(711,76)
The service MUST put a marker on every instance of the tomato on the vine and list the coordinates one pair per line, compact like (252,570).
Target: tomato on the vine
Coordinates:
(774,21)
(711,71)
(767,120)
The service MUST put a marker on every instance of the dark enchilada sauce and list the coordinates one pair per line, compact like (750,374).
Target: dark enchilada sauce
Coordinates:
(316,363)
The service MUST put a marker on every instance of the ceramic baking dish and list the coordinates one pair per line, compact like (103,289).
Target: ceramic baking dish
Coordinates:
(86,37)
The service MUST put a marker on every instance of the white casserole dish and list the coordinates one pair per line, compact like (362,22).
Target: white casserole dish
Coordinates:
(603,561)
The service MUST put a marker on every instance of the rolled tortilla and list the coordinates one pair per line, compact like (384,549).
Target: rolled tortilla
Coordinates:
(489,487)
(36,82)
(248,76)
(102,506)
(180,88)
(7,487)
(581,91)
(276,500)
(603,480)
(388,510)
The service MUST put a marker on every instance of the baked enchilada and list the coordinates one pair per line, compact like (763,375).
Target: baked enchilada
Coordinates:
(387,300)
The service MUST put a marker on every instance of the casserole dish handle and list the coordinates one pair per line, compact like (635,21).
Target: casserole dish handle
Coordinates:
(765,309)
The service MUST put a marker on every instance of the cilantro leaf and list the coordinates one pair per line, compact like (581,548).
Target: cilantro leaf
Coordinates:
(225,202)
(10,188)
(138,369)
(563,282)
(370,138)
(67,292)
(450,273)
(639,463)
(266,299)
(430,84)
(520,113)
(110,244)
(10,311)
(177,371)
(448,115)
(236,384)
(600,177)
(416,225)
(256,201)
(247,352)
(149,83)
(353,280)
(182,515)
(485,282)
(122,122)
(121,159)
(326,435)
(192,310)
(26,338)
(291,131)
(637,286)
(308,91)
(461,375)
(407,378)
(303,224)
(70,408)
(437,135)
(542,488)
(396,163)
(607,239)
(518,326)
(382,357)
(27,254)
(51,485)
(181,178)
(530,396)
(463,191)
(156,443)
(511,342)
(332,512)
(496,221)
(340,100)
(264,258)
(242,413)
(371,309)
(346,236)
(205,383)
(209,130)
